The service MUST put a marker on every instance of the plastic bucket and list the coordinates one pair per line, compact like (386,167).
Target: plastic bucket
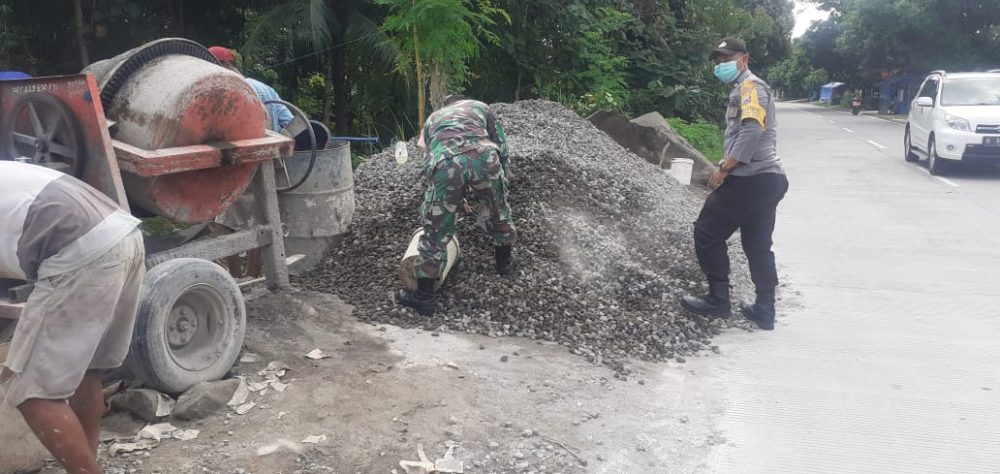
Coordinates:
(681,169)
(406,266)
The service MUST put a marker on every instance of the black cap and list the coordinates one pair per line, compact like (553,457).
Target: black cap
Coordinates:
(728,47)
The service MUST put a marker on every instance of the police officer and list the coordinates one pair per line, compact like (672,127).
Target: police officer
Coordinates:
(466,148)
(747,187)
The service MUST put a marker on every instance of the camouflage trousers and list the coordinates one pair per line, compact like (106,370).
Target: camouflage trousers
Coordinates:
(483,174)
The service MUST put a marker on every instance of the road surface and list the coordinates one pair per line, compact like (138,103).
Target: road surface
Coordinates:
(886,358)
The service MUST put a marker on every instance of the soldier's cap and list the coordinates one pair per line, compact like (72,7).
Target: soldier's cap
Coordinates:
(728,47)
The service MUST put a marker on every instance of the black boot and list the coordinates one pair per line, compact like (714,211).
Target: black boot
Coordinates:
(422,300)
(762,311)
(505,261)
(715,303)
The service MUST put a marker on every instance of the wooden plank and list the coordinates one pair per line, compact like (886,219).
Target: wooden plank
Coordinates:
(10,310)
(148,163)
(216,247)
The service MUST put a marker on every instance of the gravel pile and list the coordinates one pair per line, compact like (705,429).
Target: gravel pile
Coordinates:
(605,249)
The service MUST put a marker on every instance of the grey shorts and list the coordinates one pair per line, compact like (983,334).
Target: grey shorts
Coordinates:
(73,322)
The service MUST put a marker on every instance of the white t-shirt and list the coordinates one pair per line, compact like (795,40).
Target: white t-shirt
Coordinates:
(52,223)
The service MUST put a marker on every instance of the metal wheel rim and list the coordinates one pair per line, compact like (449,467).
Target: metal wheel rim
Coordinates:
(197,325)
(42,129)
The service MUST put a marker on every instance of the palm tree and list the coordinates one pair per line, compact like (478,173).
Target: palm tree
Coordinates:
(332,27)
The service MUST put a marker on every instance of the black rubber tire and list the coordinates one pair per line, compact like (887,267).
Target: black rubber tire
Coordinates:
(166,353)
(908,153)
(935,165)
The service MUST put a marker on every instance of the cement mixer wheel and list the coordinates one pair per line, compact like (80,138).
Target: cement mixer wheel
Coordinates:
(44,130)
(189,326)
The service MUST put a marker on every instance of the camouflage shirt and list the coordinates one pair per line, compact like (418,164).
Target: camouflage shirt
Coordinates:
(463,127)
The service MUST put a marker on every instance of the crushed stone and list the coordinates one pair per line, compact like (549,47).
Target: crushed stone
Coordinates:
(605,248)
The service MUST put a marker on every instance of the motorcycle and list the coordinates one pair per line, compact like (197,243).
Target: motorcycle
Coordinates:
(856,106)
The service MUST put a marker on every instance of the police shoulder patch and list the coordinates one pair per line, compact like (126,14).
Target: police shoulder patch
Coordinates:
(750,106)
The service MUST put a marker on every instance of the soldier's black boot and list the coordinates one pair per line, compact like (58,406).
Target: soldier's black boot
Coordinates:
(421,300)
(715,303)
(505,261)
(762,310)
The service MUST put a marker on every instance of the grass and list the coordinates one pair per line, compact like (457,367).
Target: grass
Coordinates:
(706,137)
(357,159)
(843,105)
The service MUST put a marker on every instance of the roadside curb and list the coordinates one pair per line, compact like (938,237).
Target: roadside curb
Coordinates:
(888,119)
(884,118)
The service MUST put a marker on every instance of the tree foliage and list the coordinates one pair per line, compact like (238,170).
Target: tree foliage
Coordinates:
(636,56)
(442,34)
(796,76)
(921,34)
(866,40)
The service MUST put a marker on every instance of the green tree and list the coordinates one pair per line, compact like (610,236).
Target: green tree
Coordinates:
(892,35)
(330,27)
(442,34)
(820,45)
(602,76)
(796,76)
(14,44)
(768,32)
(660,47)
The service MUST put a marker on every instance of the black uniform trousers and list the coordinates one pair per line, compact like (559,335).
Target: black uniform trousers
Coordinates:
(747,203)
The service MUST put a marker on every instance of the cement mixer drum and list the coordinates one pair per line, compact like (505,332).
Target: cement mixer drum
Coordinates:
(168,95)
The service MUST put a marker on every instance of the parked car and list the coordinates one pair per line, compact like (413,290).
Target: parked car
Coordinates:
(955,117)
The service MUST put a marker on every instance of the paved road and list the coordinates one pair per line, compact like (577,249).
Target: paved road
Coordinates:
(979,183)
(887,354)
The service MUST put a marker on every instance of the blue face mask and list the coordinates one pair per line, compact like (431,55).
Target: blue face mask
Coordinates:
(727,72)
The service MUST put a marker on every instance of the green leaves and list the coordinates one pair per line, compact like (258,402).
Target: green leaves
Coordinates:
(796,75)
(450,31)
(919,35)
(442,36)
(705,136)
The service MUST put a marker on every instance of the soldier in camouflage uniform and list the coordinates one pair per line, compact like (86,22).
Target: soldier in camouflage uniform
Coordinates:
(466,149)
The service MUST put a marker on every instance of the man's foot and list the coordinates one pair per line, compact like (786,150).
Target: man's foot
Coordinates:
(421,300)
(715,304)
(506,263)
(760,314)
(762,311)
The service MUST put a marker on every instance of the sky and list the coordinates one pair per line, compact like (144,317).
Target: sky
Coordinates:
(805,14)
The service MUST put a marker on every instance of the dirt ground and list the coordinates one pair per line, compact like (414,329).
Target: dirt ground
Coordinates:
(386,390)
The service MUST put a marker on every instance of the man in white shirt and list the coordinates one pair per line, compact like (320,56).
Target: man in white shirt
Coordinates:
(85,257)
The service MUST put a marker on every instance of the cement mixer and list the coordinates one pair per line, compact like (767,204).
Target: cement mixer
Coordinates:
(165,131)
